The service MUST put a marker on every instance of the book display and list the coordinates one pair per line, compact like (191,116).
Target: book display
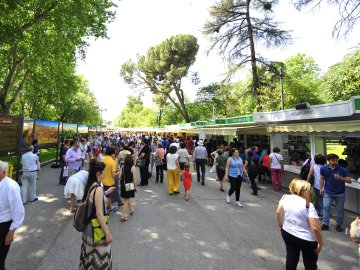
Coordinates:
(352,153)
(296,149)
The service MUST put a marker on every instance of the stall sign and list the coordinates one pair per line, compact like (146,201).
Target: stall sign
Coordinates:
(9,135)
(357,104)
(234,120)
(339,109)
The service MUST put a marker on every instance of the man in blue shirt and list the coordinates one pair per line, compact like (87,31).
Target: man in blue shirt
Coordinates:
(332,188)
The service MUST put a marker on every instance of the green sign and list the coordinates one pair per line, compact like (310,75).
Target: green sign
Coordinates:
(357,104)
(234,120)
(200,123)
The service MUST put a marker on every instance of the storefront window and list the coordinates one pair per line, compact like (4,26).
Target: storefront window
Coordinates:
(296,149)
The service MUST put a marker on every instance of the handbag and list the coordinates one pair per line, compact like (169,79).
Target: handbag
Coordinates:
(98,232)
(81,219)
(128,186)
(140,162)
(158,161)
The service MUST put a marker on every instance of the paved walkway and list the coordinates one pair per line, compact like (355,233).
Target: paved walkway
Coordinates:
(167,232)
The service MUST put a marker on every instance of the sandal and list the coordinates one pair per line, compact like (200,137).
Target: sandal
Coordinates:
(123,219)
(132,212)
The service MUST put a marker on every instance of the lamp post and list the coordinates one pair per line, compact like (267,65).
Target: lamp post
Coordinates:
(278,69)
(101,110)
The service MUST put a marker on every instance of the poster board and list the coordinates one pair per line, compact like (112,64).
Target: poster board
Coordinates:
(69,131)
(46,132)
(10,130)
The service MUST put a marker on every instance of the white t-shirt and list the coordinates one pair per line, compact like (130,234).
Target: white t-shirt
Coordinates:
(296,217)
(183,155)
(171,161)
(317,176)
(275,160)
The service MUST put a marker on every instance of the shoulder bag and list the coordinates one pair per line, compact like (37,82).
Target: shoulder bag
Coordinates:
(140,162)
(128,186)
(98,232)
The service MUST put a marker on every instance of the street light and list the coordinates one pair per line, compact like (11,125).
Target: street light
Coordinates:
(278,69)
(101,110)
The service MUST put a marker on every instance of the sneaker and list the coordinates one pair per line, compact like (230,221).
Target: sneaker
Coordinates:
(338,228)
(227,198)
(34,200)
(113,209)
(238,203)
(203,183)
(325,227)
(176,192)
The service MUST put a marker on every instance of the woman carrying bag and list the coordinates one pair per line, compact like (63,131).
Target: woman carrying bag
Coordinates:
(95,248)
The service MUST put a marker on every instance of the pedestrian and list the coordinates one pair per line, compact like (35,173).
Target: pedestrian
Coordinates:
(199,158)
(252,167)
(159,162)
(187,180)
(332,188)
(152,155)
(12,211)
(74,188)
(220,167)
(276,168)
(96,255)
(144,171)
(190,145)
(110,172)
(35,143)
(184,156)
(315,171)
(299,226)
(235,173)
(63,164)
(265,165)
(355,231)
(173,171)
(30,167)
(128,185)
(102,154)
(74,158)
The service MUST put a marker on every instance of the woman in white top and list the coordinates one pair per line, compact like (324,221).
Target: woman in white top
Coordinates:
(173,171)
(276,168)
(183,155)
(300,227)
(315,171)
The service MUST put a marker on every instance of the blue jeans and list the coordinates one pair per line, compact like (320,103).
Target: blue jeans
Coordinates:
(319,202)
(327,201)
(28,177)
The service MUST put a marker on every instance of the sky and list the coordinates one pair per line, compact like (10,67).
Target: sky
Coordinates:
(141,24)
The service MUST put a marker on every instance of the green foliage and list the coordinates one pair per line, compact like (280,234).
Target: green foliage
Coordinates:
(301,83)
(39,41)
(162,69)
(136,115)
(342,80)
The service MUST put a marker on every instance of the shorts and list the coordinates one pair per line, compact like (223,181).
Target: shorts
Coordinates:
(220,173)
(182,165)
(112,194)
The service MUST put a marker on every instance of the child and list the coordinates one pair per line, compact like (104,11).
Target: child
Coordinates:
(187,180)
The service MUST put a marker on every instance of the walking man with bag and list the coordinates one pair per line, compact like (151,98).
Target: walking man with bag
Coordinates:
(199,157)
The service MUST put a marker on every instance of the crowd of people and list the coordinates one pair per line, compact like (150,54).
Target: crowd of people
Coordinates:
(110,181)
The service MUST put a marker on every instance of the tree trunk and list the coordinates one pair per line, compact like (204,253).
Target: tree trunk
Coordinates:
(253,57)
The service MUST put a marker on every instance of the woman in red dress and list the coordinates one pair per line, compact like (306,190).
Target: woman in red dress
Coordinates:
(187,180)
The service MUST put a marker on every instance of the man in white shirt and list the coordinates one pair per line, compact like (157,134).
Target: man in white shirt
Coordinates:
(30,166)
(12,211)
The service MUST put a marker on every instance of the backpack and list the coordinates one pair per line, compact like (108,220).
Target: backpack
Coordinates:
(305,170)
(81,218)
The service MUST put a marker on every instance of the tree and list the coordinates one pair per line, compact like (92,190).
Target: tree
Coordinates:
(136,115)
(235,28)
(40,37)
(349,12)
(301,83)
(342,80)
(161,102)
(162,69)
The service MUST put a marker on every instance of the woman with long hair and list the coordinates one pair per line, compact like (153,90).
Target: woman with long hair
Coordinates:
(159,162)
(276,168)
(299,226)
(127,176)
(235,173)
(95,256)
